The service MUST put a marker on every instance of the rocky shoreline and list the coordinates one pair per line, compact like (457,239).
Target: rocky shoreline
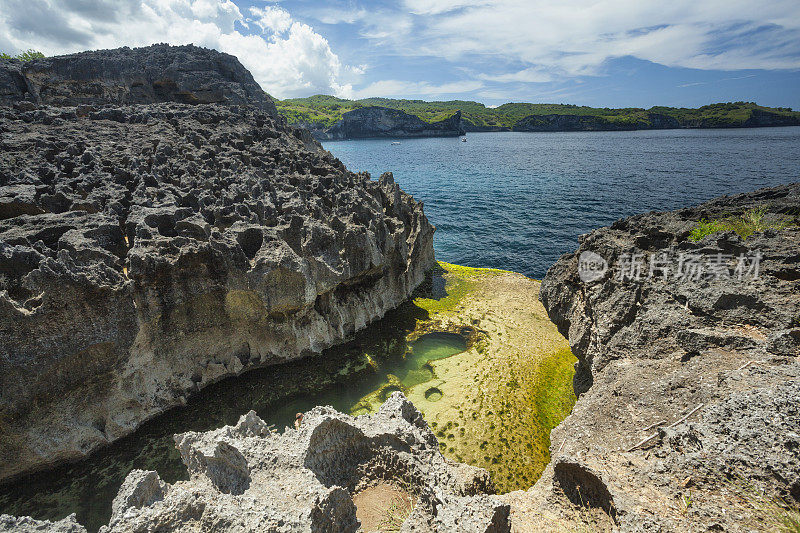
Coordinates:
(375,122)
(154,241)
(689,392)
(148,250)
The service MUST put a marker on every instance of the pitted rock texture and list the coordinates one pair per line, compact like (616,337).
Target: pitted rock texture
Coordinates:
(249,477)
(26,524)
(609,319)
(149,250)
(159,73)
(707,366)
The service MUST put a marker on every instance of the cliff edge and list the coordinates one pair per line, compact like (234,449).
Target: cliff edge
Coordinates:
(154,74)
(375,121)
(687,372)
(148,250)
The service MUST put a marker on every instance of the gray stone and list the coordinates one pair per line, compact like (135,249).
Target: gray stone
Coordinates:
(149,250)
(304,479)
(689,386)
(26,524)
(157,73)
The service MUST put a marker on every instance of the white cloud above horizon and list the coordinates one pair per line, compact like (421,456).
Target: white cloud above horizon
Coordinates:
(286,57)
(431,48)
(577,37)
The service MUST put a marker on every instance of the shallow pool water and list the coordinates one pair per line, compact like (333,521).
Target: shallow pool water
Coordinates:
(355,377)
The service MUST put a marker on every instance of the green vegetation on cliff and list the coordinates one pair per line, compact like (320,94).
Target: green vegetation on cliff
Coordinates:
(751,221)
(27,55)
(323,111)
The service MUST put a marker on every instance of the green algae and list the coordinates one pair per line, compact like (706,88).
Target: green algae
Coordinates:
(490,398)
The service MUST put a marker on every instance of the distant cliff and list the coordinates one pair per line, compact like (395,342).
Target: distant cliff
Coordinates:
(319,113)
(375,121)
(650,121)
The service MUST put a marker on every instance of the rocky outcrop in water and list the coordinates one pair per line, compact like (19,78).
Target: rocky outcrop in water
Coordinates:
(688,370)
(248,477)
(158,73)
(149,250)
(374,121)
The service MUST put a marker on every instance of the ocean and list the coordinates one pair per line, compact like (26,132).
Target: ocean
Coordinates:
(518,201)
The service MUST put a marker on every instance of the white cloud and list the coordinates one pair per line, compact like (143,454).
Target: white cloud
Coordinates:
(532,74)
(286,57)
(271,18)
(433,7)
(402,89)
(576,37)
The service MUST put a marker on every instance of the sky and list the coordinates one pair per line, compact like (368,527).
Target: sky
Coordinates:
(604,53)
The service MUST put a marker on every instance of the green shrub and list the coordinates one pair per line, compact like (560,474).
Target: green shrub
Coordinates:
(751,221)
(27,55)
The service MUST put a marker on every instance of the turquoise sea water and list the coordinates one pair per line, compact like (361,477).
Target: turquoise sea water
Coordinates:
(517,201)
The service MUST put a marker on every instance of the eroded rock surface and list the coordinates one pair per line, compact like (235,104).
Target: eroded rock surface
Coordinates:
(148,250)
(248,477)
(652,350)
(153,74)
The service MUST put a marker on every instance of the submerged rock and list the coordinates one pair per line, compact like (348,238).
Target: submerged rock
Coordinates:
(149,250)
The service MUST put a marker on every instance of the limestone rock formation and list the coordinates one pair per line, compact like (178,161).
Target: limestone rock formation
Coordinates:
(689,378)
(653,121)
(249,477)
(26,524)
(158,73)
(149,250)
(375,121)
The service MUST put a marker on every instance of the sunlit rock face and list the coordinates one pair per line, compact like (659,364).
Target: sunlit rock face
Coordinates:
(249,478)
(148,250)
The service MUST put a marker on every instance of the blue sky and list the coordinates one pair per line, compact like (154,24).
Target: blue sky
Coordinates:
(613,53)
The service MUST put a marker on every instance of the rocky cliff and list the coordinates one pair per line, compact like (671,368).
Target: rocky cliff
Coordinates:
(592,123)
(158,73)
(648,121)
(149,250)
(374,121)
(688,371)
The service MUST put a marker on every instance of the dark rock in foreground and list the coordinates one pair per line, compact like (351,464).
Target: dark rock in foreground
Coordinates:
(147,251)
(250,478)
(374,121)
(701,359)
(158,73)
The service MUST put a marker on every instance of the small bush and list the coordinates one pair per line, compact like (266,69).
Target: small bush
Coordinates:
(27,55)
(751,221)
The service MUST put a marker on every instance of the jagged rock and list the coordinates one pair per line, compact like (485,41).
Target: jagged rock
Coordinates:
(158,73)
(305,479)
(149,250)
(26,524)
(654,316)
(375,121)
(705,365)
